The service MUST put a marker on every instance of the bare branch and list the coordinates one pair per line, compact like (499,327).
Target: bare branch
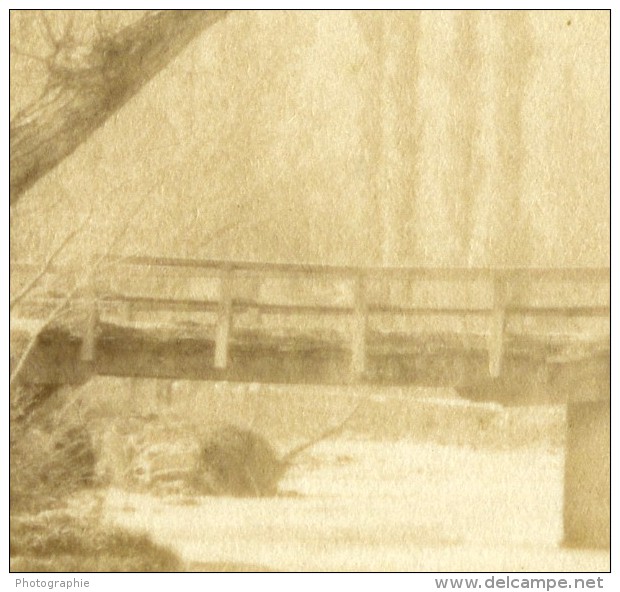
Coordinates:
(100,28)
(328,433)
(108,74)
(47,29)
(68,32)
(48,262)
(220,232)
(67,299)
(34,81)
(33,109)
(239,224)
(33,341)
(30,56)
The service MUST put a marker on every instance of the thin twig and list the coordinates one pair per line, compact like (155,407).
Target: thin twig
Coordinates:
(31,56)
(239,224)
(45,268)
(328,433)
(31,344)
(100,29)
(48,29)
(26,113)
(66,300)
(68,32)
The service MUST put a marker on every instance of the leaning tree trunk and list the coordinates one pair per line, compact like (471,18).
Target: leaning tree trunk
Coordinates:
(88,84)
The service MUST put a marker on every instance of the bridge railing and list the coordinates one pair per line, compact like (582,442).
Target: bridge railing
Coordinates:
(494,298)
(359,292)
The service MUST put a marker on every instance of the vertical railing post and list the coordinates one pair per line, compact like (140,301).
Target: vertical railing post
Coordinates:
(126,310)
(87,350)
(497,325)
(224,320)
(360,323)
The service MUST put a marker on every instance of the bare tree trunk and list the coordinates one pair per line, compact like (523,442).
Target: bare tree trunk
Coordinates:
(88,84)
(513,243)
(391,130)
(372,26)
(500,235)
(464,96)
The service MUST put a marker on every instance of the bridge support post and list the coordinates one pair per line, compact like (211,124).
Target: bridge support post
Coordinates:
(126,311)
(224,320)
(360,323)
(87,350)
(586,511)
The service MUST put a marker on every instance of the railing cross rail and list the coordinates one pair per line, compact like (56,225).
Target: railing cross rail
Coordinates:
(500,280)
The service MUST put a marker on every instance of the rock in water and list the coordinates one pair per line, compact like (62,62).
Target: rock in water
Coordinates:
(238,462)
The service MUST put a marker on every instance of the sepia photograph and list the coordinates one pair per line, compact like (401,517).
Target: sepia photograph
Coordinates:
(309,291)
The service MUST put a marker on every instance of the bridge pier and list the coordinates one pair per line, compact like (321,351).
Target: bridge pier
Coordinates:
(586,511)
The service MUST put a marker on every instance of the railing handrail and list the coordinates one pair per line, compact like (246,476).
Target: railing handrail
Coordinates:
(347,271)
(360,309)
(601,273)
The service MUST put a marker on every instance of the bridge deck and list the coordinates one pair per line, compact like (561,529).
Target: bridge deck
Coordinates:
(179,318)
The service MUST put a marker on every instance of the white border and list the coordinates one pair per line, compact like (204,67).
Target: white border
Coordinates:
(271,582)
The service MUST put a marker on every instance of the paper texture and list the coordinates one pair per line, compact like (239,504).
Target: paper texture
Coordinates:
(310,290)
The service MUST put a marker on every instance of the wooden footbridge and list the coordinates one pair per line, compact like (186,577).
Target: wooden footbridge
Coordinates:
(226,320)
(512,335)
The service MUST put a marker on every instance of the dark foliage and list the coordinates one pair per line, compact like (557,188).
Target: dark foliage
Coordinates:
(48,466)
(238,462)
(63,543)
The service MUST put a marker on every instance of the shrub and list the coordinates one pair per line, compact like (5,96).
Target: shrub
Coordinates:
(237,462)
(47,466)
(58,541)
